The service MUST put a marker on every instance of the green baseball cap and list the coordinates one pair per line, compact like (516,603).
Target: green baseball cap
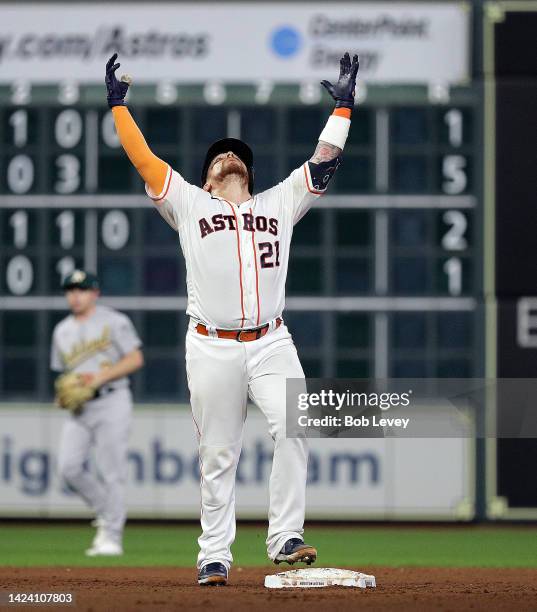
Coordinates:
(80,279)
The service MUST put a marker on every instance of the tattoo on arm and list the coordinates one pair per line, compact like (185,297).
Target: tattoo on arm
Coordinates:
(325,152)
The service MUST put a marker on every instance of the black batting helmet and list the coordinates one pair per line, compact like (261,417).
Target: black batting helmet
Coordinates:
(241,150)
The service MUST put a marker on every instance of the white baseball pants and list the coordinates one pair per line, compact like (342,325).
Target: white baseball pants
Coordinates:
(104,425)
(221,374)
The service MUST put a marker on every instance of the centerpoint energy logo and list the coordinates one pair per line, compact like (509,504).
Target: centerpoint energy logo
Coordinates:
(285,41)
(382,25)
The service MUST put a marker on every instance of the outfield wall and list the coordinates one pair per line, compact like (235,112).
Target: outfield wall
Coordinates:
(384,479)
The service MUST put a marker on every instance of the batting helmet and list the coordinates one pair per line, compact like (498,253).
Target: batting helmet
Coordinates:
(241,150)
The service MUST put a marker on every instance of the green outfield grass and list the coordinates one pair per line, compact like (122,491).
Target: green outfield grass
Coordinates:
(48,545)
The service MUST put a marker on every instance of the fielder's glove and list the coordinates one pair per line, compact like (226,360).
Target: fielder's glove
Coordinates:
(116,90)
(74,390)
(343,90)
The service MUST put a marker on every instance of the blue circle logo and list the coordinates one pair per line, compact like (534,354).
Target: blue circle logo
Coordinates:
(285,41)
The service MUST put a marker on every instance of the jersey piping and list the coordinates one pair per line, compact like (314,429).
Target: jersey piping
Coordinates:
(240,258)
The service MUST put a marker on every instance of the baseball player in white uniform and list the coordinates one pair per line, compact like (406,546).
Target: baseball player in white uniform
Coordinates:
(236,248)
(102,346)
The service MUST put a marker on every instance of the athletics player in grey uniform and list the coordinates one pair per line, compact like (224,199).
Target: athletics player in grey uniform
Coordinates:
(102,344)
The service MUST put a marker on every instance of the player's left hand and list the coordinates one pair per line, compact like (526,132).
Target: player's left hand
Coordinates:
(343,90)
(73,390)
(116,90)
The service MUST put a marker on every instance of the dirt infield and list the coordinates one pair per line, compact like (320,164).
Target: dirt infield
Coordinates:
(175,589)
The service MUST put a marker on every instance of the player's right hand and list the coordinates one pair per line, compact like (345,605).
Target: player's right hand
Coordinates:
(116,90)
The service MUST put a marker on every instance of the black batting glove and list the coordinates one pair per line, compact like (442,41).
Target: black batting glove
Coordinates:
(116,90)
(343,90)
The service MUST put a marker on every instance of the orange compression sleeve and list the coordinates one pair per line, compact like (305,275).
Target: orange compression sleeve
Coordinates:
(342,112)
(150,167)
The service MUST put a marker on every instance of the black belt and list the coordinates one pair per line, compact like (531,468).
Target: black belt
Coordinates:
(103,391)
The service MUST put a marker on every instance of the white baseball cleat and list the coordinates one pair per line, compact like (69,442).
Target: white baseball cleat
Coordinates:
(101,534)
(104,547)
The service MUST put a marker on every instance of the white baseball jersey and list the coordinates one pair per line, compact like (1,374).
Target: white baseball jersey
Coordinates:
(236,255)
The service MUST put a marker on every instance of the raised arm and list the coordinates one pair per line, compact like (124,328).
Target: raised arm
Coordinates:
(150,167)
(333,137)
(311,180)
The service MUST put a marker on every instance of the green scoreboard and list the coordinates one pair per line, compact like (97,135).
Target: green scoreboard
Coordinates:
(385,275)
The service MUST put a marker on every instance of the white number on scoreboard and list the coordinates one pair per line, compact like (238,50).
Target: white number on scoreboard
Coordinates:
(19,223)
(20,174)
(19,275)
(115,230)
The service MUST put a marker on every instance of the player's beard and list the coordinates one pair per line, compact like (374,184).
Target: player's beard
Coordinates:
(233,168)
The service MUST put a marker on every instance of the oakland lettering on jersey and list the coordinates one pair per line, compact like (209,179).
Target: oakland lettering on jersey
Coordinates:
(251,223)
(82,350)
